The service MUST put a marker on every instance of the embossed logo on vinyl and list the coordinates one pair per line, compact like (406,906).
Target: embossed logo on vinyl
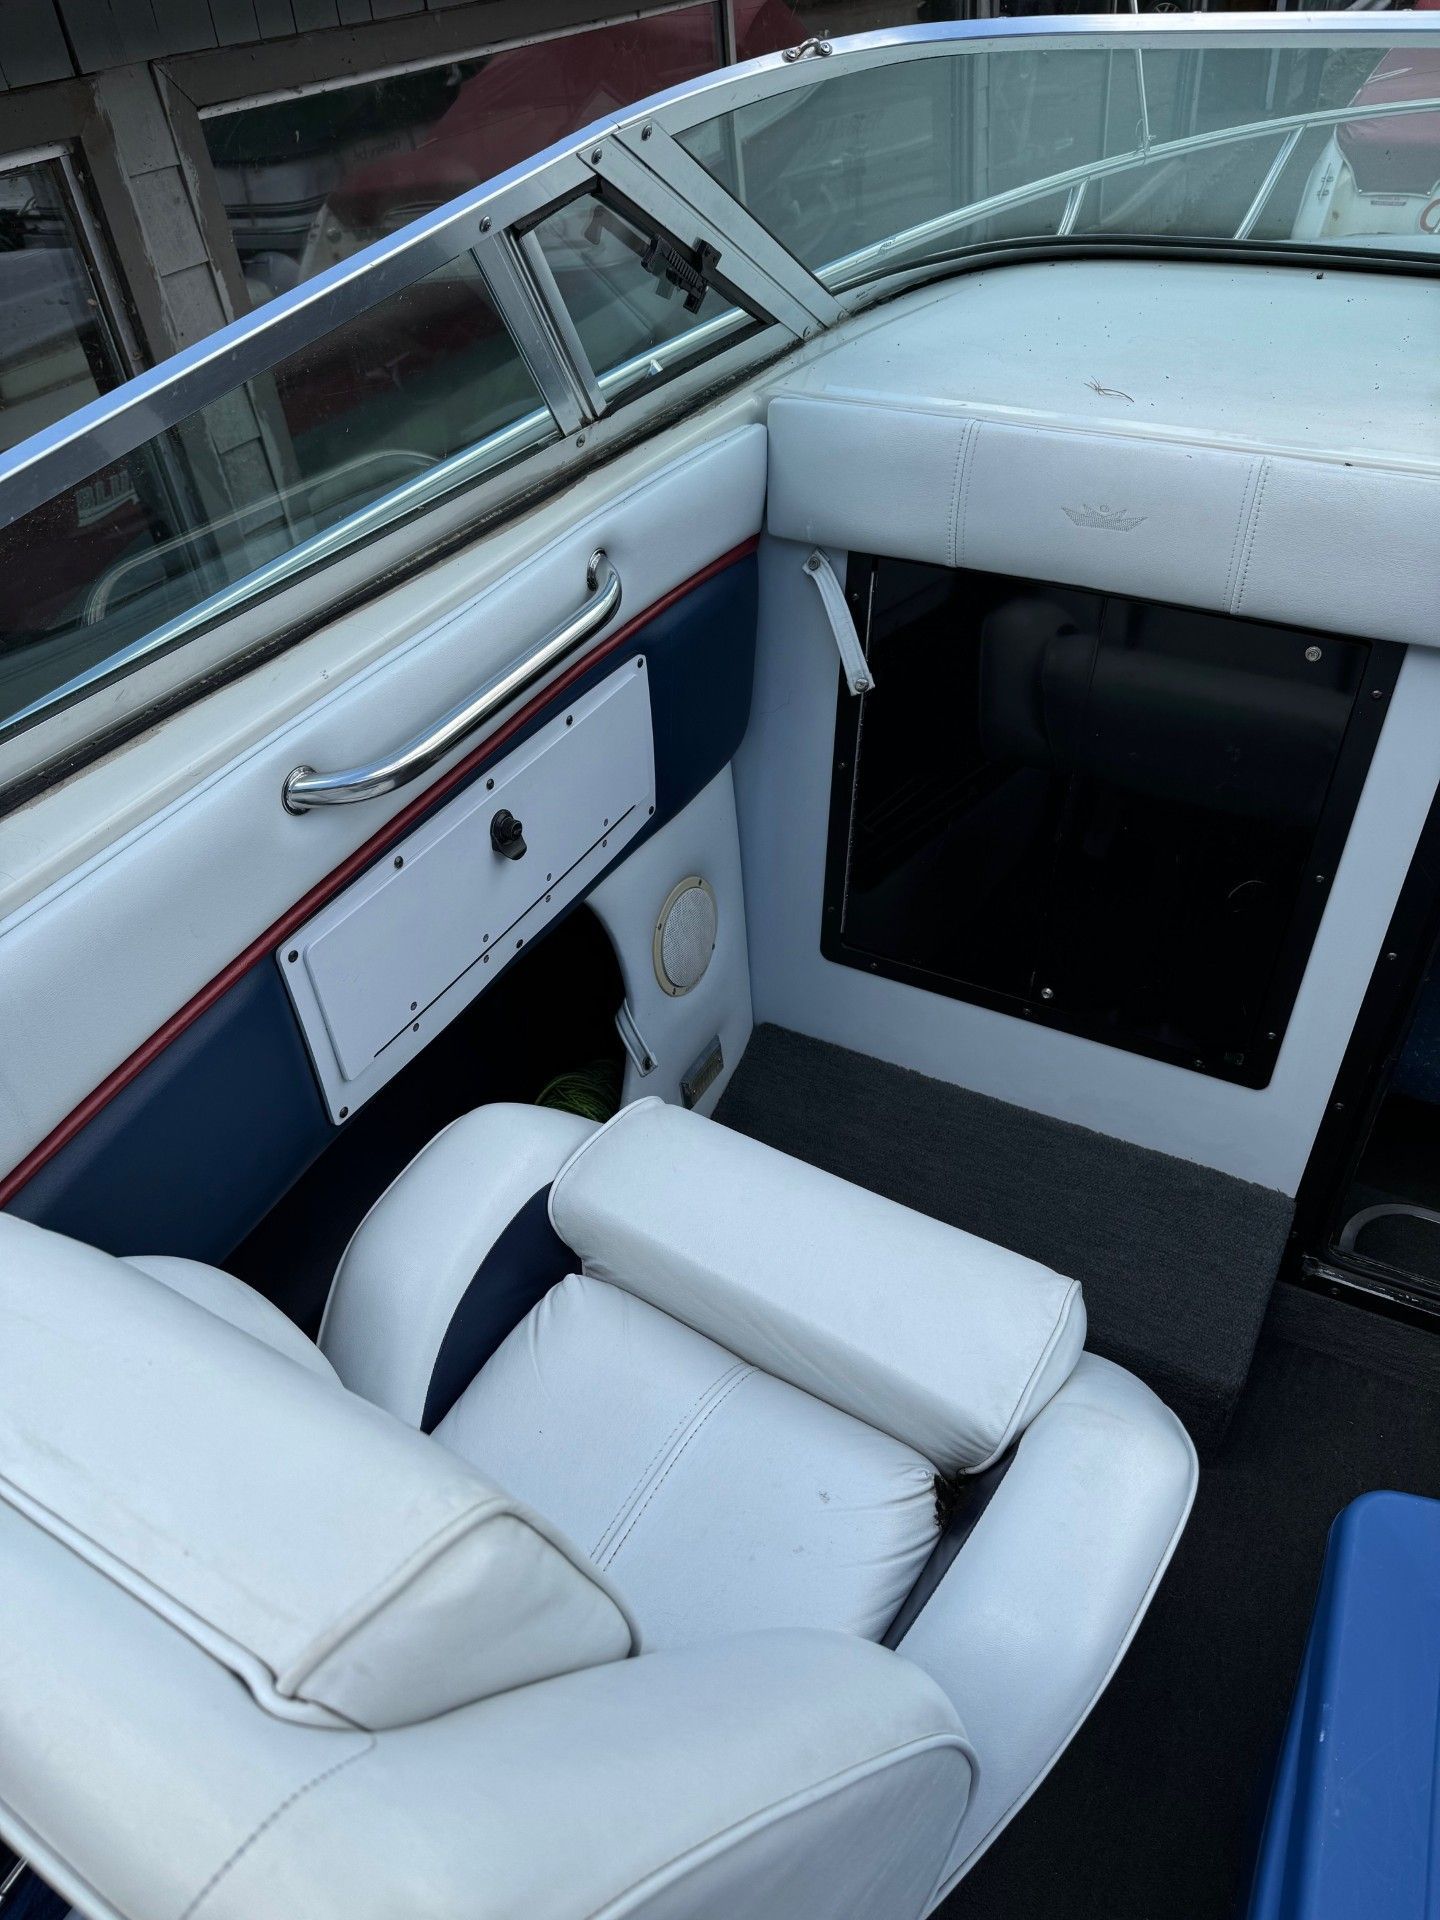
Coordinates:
(1112,519)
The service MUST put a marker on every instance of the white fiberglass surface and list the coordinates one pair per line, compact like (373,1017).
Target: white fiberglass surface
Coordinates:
(899,163)
(1338,364)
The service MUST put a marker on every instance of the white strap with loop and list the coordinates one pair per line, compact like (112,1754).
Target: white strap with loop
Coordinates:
(855,666)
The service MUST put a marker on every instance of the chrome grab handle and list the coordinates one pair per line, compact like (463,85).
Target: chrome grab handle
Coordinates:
(304,788)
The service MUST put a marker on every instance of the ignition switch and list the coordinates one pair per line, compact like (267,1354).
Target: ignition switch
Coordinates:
(507,836)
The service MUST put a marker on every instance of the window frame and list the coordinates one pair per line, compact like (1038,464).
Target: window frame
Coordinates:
(638,158)
(54,729)
(62,155)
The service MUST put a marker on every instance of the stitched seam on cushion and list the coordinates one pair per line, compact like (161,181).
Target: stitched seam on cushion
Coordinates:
(269,1821)
(1254,530)
(1137,1615)
(392,1583)
(958,549)
(962,443)
(658,1455)
(1072,1294)
(675,1460)
(615,1120)
(1242,521)
(818,1793)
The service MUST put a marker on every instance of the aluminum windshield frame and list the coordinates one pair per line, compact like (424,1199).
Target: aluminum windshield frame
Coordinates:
(117,423)
(636,152)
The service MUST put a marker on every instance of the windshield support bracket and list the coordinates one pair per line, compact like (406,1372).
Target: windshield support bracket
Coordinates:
(657,175)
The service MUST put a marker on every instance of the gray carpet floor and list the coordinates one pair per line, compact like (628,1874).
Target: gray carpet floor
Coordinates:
(1177,1261)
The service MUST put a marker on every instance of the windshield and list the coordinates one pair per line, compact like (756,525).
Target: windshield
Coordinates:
(904,161)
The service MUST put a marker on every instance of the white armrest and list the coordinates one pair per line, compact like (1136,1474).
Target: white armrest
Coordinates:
(1027,1627)
(340,1565)
(230,1299)
(807,1775)
(935,1337)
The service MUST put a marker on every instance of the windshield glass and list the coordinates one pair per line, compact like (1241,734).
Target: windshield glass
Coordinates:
(420,392)
(898,162)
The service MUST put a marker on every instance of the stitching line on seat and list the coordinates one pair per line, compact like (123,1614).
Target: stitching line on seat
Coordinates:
(1242,521)
(960,490)
(699,1853)
(269,1821)
(680,1452)
(963,533)
(1254,529)
(962,441)
(658,1455)
(1137,1616)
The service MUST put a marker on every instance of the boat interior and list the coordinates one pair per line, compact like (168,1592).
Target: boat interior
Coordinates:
(755,1294)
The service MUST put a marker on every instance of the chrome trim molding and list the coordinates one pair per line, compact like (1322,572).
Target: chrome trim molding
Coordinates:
(304,788)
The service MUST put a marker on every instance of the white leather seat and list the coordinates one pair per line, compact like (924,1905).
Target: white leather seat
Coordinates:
(753,1393)
(698,1426)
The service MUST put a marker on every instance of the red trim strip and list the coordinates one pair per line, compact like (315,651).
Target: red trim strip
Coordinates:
(261,948)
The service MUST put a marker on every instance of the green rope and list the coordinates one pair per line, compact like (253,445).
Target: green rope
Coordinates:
(593,1092)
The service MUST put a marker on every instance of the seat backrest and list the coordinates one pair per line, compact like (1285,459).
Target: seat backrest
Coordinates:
(347,1569)
(937,1338)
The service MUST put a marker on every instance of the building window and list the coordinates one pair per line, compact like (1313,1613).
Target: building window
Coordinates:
(418,394)
(55,348)
(309,181)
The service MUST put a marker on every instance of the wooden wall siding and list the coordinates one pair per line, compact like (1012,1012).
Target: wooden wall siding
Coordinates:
(42,40)
(33,48)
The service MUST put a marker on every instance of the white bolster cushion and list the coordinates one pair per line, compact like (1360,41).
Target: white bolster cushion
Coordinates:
(346,1568)
(947,1343)
(418,1249)
(230,1299)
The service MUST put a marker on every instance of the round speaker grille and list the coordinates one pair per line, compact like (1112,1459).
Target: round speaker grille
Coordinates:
(685,934)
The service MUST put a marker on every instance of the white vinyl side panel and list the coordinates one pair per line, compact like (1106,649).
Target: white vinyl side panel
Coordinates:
(377,973)
(1306,541)
(98,962)
(782,775)
(678,1029)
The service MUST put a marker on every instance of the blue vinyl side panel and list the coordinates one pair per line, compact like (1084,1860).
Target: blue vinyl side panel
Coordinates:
(198,1148)
(189,1155)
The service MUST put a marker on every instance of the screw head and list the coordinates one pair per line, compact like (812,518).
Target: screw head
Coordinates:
(646,131)
(595,156)
(1047,993)
(485,224)
(1312,654)
(293,955)
(399,860)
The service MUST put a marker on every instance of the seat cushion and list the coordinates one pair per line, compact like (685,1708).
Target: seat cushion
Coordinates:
(716,1497)
(230,1299)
